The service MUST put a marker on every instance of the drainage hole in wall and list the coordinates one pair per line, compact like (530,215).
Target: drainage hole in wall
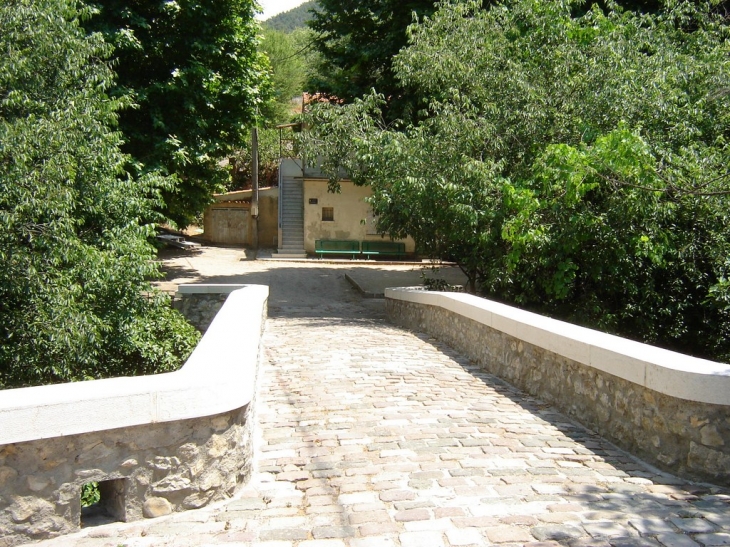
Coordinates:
(102,502)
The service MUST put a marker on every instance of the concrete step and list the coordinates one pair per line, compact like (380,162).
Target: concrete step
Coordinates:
(288,255)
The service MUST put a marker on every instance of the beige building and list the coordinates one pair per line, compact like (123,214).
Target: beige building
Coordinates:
(296,214)
(340,216)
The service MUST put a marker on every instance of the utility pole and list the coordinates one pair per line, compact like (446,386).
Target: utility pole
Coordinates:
(255,186)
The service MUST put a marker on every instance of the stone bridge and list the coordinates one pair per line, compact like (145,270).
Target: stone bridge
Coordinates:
(371,435)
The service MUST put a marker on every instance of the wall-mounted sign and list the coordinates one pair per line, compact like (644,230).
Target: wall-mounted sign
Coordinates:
(313,201)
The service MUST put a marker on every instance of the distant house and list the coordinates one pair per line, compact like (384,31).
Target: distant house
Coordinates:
(296,214)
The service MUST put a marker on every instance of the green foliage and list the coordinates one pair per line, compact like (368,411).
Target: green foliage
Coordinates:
(292,20)
(288,71)
(575,165)
(357,40)
(74,298)
(194,71)
(90,494)
(269,155)
(288,61)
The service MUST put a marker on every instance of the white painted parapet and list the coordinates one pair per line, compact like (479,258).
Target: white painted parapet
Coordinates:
(667,407)
(154,437)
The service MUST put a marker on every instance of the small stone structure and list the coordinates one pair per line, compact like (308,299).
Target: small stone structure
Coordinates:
(155,444)
(670,409)
(200,303)
(228,221)
(149,470)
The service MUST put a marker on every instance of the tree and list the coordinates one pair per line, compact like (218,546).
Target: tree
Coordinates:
(575,165)
(75,302)
(287,59)
(357,40)
(194,72)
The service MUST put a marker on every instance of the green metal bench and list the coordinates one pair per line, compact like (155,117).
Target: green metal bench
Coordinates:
(336,246)
(388,248)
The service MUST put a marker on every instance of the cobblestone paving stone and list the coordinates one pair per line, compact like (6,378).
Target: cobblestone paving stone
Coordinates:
(372,436)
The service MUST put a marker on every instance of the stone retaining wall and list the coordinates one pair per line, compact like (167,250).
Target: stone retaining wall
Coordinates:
(688,435)
(153,469)
(200,303)
(155,444)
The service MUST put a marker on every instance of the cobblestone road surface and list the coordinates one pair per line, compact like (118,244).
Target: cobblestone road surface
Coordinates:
(372,436)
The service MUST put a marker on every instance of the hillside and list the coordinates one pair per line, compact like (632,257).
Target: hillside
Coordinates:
(292,19)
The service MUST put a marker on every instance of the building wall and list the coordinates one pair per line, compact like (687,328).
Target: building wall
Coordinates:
(229,222)
(352,218)
(269,218)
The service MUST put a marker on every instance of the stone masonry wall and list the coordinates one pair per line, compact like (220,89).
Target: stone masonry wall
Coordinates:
(200,308)
(687,438)
(154,470)
(143,471)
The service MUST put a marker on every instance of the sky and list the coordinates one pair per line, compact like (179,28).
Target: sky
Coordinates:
(272,7)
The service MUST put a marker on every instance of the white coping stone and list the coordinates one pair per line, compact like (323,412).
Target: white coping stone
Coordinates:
(218,377)
(664,371)
(209,288)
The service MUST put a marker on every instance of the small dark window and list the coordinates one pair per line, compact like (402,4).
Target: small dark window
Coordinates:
(328,214)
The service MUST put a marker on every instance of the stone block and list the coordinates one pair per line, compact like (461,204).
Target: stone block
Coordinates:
(156,507)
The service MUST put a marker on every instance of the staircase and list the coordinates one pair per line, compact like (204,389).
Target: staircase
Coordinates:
(291,218)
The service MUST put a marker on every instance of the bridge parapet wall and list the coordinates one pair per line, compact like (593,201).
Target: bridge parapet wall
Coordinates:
(155,444)
(669,409)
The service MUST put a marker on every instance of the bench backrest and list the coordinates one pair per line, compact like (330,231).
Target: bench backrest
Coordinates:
(384,246)
(336,245)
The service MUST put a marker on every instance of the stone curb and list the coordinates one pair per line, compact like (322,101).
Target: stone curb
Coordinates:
(363,292)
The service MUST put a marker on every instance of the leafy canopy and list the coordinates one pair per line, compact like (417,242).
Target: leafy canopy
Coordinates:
(357,40)
(288,62)
(573,164)
(75,302)
(197,78)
